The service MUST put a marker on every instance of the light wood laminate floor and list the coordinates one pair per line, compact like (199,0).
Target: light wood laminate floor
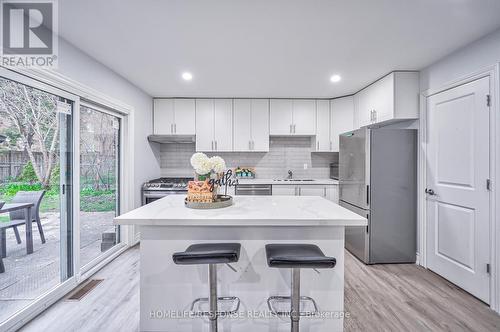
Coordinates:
(377,297)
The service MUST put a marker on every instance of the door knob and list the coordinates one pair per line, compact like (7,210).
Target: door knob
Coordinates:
(430,192)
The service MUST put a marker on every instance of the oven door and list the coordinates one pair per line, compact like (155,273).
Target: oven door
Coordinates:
(149,196)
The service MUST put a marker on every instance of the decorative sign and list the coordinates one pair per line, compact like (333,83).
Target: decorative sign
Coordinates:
(226,180)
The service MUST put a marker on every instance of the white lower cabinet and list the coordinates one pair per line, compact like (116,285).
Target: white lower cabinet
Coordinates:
(312,190)
(329,192)
(284,190)
(333,193)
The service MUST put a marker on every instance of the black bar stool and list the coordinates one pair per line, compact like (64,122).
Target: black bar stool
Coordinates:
(296,257)
(211,254)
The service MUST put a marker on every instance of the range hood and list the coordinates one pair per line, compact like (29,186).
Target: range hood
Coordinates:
(164,139)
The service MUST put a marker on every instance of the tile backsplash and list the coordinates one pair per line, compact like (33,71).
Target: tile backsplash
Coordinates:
(285,153)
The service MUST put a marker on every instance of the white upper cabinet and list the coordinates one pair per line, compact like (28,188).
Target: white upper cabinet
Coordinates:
(242,119)
(223,125)
(251,124)
(342,119)
(174,116)
(304,117)
(163,114)
(292,117)
(323,141)
(392,98)
(205,125)
(214,125)
(184,117)
(280,117)
(260,125)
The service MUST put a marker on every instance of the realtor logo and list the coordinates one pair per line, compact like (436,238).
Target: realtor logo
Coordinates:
(29,33)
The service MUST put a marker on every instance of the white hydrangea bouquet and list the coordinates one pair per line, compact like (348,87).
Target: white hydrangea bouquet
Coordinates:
(205,166)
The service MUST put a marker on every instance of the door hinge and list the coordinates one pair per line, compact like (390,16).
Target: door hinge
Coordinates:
(488,269)
(488,184)
(488,100)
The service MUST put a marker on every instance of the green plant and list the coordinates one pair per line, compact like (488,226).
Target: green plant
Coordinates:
(28,174)
(10,189)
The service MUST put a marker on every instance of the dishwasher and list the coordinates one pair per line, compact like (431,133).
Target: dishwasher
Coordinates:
(254,189)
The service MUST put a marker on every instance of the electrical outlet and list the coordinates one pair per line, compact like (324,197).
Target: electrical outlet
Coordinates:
(305,166)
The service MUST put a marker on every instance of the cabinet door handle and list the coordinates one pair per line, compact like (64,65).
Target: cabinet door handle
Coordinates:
(253,145)
(374,116)
(331,146)
(294,129)
(175,128)
(300,191)
(290,129)
(324,191)
(317,146)
(212,145)
(171,128)
(215,145)
(249,145)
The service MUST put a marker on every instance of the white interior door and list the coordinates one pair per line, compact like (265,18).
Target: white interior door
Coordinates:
(458,233)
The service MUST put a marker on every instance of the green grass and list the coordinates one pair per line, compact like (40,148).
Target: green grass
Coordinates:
(90,200)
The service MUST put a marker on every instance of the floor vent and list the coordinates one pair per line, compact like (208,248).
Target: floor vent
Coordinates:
(84,290)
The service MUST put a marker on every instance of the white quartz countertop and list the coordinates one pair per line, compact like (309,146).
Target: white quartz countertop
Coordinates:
(291,182)
(246,211)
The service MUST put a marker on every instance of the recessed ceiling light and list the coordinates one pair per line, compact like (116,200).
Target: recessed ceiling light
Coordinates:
(187,76)
(335,78)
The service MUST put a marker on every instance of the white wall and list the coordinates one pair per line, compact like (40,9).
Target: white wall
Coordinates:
(80,67)
(473,57)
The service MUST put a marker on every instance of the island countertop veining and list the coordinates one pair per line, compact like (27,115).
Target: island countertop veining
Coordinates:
(246,211)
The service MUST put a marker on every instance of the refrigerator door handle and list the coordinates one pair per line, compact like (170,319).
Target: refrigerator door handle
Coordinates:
(367,194)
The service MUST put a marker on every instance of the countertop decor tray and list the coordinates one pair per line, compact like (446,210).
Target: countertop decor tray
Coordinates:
(220,202)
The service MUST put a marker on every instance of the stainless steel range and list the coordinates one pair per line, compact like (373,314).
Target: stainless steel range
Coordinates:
(158,188)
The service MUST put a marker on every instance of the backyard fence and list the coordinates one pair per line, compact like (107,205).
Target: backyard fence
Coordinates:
(12,163)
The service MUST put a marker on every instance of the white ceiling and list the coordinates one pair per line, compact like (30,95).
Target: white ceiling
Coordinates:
(281,48)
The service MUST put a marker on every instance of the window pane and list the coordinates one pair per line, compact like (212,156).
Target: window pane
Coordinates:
(99,182)
(35,167)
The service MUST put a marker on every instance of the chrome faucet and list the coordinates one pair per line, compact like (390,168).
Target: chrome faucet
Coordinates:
(290,174)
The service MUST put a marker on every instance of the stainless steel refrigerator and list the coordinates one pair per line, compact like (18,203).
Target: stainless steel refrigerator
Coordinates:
(378,180)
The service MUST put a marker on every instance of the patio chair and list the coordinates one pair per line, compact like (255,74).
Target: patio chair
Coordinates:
(17,217)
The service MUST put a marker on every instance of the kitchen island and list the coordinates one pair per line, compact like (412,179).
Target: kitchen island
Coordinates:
(167,289)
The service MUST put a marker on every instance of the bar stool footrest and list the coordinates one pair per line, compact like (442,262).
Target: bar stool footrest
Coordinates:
(229,304)
(281,306)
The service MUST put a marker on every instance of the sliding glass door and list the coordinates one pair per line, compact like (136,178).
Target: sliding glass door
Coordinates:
(36,176)
(100,137)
